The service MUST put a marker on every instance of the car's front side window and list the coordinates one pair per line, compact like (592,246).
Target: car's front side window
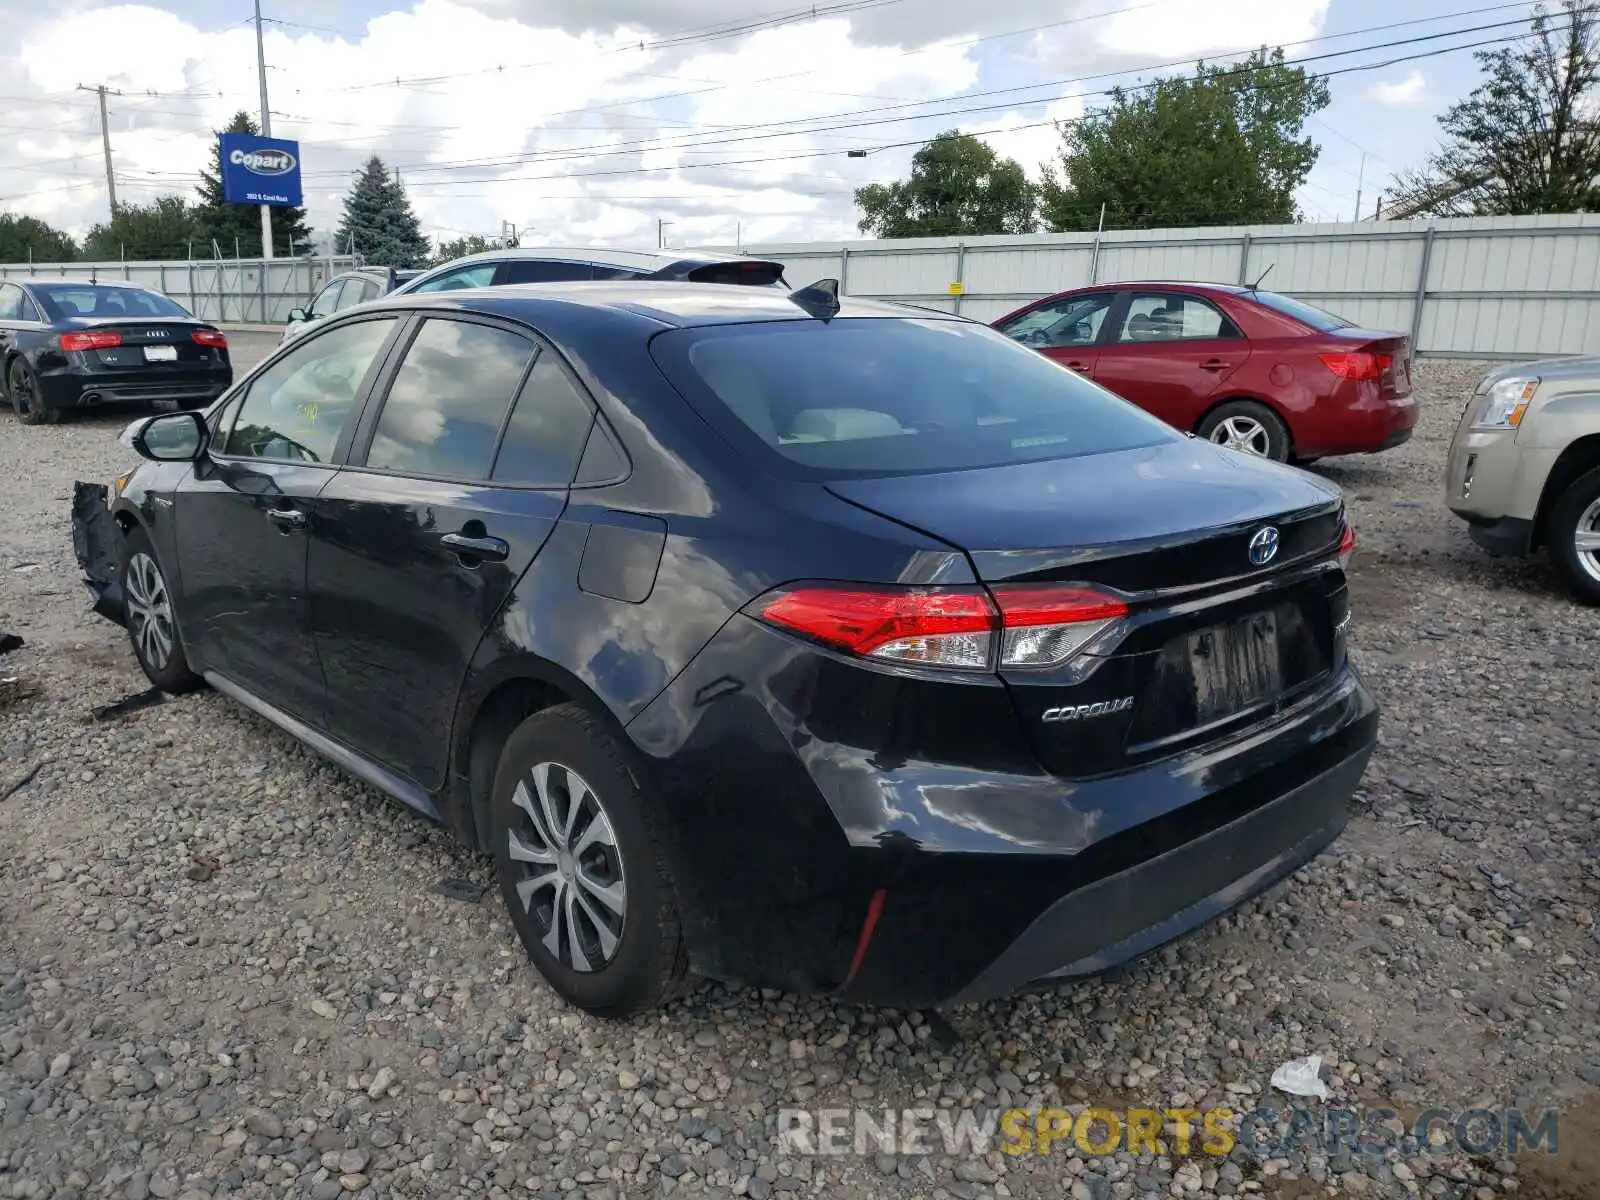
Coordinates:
(1074,321)
(448,400)
(297,407)
(357,291)
(327,301)
(481,275)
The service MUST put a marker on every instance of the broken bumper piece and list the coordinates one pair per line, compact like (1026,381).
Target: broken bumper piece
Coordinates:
(97,541)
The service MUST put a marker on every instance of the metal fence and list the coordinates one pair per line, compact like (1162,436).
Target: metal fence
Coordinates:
(1476,287)
(242,290)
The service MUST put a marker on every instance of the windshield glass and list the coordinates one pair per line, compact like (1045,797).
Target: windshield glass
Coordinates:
(1309,314)
(879,396)
(97,300)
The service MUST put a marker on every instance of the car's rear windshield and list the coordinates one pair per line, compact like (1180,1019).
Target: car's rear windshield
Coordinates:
(751,272)
(887,395)
(97,300)
(1307,314)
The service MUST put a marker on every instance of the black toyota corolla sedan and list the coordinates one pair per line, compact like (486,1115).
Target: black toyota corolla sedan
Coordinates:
(69,344)
(839,648)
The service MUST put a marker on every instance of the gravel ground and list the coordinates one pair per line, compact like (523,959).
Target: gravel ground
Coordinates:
(225,968)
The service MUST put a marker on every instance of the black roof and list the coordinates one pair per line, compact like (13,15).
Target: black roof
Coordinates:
(665,303)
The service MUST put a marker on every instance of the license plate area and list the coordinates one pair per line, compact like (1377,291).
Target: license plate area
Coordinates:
(161,354)
(1235,666)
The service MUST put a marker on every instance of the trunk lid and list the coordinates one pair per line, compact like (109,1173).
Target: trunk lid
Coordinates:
(1213,642)
(1395,381)
(148,343)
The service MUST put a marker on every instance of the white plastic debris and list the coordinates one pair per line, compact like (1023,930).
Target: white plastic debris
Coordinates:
(1301,1077)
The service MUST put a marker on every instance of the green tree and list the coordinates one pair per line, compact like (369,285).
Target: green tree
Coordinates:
(1526,139)
(1224,146)
(161,229)
(379,223)
(239,225)
(28,239)
(958,187)
(473,243)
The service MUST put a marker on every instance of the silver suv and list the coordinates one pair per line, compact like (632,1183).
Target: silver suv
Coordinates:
(1524,469)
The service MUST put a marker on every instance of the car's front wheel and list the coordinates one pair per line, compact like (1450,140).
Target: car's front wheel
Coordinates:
(583,866)
(152,623)
(23,388)
(1248,427)
(1573,535)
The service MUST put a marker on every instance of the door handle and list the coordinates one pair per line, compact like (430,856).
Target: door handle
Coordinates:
(288,518)
(1214,364)
(491,549)
(1075,365)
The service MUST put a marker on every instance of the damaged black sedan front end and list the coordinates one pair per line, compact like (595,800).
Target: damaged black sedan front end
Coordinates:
(97,540)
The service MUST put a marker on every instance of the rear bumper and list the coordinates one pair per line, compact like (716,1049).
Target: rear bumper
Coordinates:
(836,835)
(1355,420)
(73,388)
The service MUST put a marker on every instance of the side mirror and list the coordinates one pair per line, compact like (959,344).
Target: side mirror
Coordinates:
(171,437)
(297,314)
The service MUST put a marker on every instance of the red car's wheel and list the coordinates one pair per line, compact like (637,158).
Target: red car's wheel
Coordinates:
(1249,427)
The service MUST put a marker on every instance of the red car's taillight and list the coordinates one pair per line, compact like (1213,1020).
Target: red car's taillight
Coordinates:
(95,339)
(210,337)
(966,628)
(1357,364)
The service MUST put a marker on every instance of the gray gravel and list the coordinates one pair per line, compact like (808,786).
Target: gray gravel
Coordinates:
(225,970)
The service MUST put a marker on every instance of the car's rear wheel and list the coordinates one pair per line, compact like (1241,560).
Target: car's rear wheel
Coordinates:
(1573,535)
(583,866)
(151,620)
(1248,427)
(25,399)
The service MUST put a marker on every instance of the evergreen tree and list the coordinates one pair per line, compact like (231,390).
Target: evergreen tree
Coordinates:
(958,186)
(378,221)
(216,219)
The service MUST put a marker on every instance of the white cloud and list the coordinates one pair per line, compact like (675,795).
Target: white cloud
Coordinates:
(569,117)
(1399,93)
(1201,27)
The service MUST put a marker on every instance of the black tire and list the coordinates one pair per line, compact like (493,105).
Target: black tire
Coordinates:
(1576,512)
(158,631)
(1228,423)
(23,389)
(646,963)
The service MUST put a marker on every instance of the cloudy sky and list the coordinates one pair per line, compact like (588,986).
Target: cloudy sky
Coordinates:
(591,120)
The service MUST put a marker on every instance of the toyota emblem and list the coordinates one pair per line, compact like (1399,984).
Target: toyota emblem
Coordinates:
(1264,546)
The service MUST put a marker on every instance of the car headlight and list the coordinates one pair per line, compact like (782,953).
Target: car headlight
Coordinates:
(1503,403)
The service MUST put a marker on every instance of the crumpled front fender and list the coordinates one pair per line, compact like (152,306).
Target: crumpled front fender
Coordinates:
(97,540)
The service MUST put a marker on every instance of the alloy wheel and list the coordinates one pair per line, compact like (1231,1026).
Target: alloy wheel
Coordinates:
(1586,540)
(149,610)
(1243,433)
(571,881)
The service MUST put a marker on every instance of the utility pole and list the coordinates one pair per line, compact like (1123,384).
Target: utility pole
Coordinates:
(661,233)
(105,142)
(1361,180)
(266,131)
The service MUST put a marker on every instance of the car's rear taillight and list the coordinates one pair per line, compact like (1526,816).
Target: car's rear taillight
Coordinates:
(95,339)
(1357,364)
(210,337)
(1044,625)
(966,628)
(1347,543)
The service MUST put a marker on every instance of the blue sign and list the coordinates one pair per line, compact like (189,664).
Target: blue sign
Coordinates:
(260,170)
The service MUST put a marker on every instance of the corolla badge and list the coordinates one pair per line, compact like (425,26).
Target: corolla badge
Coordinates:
(263,162)
(1080,712)
(1264,546)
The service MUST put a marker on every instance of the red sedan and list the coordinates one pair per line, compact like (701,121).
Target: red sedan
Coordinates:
(1250,369)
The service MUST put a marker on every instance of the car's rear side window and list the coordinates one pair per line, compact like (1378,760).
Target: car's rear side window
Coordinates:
(858,396)
(449,397)
(548,428)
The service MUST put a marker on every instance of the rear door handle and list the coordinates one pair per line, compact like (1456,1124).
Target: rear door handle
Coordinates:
(490,549)
(1214,364)
(289,518)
